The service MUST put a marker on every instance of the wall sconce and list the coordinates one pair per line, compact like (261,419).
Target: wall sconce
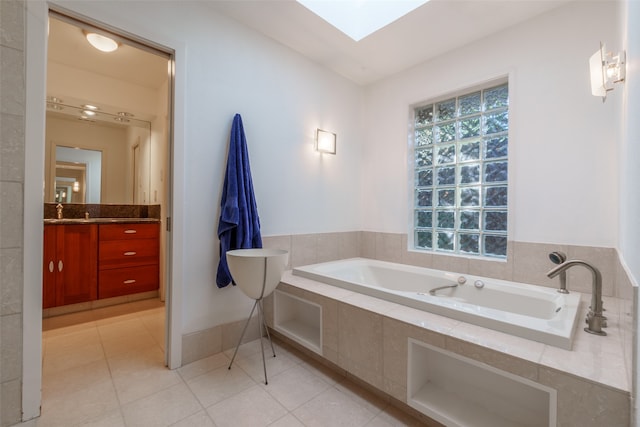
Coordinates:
(76,186)
(606,69)
(325,141)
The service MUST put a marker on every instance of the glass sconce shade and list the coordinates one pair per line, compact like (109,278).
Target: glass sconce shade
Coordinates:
(325,141)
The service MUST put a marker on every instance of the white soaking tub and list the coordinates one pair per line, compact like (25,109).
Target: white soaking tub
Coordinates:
(528,311)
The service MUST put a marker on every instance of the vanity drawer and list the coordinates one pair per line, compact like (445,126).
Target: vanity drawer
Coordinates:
(129,231)
(124,281)
(127,253)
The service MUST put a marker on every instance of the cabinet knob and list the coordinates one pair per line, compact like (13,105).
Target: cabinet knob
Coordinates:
(60,265)
(129,282)
(132,253)
(130,231)
(51,267)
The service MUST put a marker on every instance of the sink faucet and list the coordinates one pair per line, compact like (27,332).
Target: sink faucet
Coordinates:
(595,320)
(59,210)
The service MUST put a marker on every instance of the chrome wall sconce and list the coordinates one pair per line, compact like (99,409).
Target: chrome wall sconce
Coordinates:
(606,70)
(325,141)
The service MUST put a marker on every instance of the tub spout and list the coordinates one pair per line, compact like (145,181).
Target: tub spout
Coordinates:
(595,320)
(434,290)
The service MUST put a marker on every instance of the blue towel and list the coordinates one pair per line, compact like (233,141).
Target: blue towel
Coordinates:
(239,225)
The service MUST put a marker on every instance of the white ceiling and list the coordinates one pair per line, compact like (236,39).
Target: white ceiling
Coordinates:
(67,45)
(432,29)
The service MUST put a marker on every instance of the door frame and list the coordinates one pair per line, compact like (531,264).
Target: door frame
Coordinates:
(36,19)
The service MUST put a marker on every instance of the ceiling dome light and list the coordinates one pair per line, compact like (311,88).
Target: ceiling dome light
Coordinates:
(100,42)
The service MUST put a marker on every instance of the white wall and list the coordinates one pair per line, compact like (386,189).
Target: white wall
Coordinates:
(562,148)
(630,176)
(282,98)
(630,151)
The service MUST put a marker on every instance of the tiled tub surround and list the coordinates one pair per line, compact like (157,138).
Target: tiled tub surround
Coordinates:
(526,262)
(368,338)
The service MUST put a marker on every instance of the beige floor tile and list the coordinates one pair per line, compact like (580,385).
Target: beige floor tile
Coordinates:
(144,382)
(79,406)
(110,419)
(253,366)
(65,342)
(77,378)
(141,374)
(200,419)
(75,358)
(287,421)
(394,417)
(109,372)
(60,324)
(327,375)
(154,322)
(304,384)
(219,384)
(127,344)
(363,397)
(245,350)
(124,328)
(343,411)
(251,408)
(162,409)
(203,366)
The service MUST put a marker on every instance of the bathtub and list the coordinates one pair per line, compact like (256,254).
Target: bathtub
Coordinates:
(528,311)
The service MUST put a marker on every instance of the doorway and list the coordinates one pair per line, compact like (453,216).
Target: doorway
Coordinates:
(116,103)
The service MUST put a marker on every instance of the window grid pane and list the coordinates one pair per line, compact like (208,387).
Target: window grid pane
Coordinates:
(461,174)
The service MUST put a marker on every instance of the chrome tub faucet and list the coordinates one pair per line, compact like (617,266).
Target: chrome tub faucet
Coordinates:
(595,320)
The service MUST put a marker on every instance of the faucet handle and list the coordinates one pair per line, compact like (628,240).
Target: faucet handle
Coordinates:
(557,257)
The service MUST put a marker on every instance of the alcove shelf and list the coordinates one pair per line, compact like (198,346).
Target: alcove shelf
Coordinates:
(458,391)
(298,319)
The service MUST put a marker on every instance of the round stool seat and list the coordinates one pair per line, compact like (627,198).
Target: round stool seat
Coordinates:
(257,272)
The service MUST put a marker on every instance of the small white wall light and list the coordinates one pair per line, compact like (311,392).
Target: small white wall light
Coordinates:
(606,69)
(76,186)
(325,141)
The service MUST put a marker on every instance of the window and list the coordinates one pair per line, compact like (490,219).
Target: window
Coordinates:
(460,148)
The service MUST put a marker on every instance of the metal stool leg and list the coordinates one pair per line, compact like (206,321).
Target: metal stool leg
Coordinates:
(242,335)
(266,328)
(260,323)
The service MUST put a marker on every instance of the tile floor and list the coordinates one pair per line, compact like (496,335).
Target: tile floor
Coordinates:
(105,368)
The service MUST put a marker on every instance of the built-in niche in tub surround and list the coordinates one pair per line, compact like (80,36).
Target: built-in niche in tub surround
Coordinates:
(78,211)
(369,339)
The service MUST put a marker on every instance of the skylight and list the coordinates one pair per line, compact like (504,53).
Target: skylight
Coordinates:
(360,18)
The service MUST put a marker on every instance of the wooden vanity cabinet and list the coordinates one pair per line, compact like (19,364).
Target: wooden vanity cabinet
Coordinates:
(128,258)
(70,270)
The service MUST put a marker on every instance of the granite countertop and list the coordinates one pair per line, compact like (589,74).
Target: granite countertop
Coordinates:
(71,221)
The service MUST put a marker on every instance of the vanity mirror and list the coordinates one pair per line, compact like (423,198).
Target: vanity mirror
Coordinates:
(103,159)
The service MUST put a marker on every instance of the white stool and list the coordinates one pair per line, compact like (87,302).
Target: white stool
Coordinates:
(257,272)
